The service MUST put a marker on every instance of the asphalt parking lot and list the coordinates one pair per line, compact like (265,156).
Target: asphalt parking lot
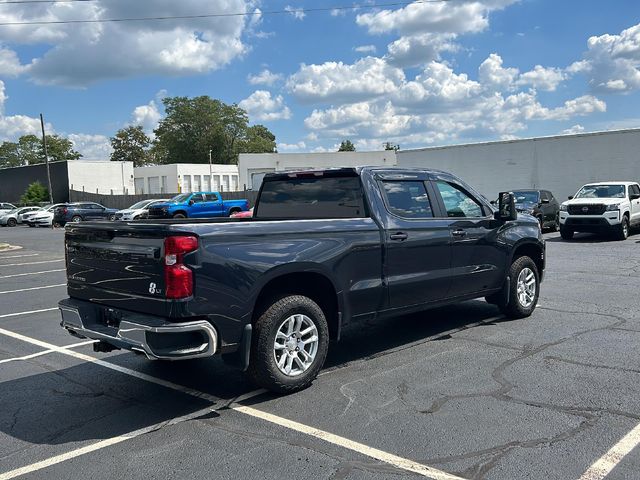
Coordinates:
(458,392)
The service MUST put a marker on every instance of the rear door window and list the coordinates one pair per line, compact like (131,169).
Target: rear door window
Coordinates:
(312,196)
(407,199)
(210,197)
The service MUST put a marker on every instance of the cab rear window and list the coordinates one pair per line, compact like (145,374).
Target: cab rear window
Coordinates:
(312,197)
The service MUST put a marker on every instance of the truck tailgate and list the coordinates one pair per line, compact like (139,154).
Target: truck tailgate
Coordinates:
(117,265)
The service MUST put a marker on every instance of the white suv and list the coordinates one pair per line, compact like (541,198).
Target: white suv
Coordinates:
(602,207)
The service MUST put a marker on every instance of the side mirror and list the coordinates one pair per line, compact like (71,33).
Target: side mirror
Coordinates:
(634,196)
(191,202)
(570,197)
(493,202)
(506,207)
(544,200)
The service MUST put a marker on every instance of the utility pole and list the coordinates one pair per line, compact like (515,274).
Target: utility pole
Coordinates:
(46,159)
(210,173)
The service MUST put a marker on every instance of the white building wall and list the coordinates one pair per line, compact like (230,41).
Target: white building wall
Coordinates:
(101,176)
(182,177)
(253,166)
(561,164)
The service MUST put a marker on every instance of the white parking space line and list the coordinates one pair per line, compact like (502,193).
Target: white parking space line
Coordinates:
(117,368)
(605,464)
(19,314)
(33,288)
(102,444)
(45,352)
(20,256)
(31,263)
(30,273)
(394,460)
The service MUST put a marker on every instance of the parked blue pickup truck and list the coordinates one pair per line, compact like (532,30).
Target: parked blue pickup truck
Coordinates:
(198,205)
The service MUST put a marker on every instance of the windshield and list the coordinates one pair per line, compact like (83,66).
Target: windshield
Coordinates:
(527,197)
(139,205)
(181,198)
(601,191)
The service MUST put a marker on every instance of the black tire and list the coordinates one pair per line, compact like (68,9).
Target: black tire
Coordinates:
(622,231)
(112,217)
(263,369)
(31,225)
(234,210)
(515,308)
(76,219)
(556,224)
(565,233)
(179,215)
(12,222)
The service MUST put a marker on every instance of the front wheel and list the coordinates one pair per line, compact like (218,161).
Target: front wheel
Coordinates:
(622,231)
(12,222)
(179,215)
(524,289)
(289,345)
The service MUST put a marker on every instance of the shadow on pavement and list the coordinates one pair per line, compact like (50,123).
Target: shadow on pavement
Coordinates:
(47,405)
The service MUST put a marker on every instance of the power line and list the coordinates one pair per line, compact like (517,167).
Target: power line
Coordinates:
(209,15)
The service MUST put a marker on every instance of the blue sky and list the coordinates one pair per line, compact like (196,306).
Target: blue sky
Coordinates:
(417,74)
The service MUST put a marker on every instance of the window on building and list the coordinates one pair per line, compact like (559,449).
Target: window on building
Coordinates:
(163,186)
(186,183)
(207,183)
(139,185)
(197,183)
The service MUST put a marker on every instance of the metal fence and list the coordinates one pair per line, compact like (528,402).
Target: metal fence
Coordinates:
(125,201)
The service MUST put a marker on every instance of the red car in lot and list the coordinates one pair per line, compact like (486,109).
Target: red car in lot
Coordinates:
(247,214)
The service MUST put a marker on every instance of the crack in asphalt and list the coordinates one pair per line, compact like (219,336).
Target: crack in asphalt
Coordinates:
(590,415)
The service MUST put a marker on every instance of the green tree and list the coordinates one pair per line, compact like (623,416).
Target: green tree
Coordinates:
(194,126)
(259,140)
(347,146)
(9,155)
(28,150)
(35,193)
(131,144)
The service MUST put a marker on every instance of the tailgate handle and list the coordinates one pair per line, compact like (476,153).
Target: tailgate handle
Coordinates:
(400,236)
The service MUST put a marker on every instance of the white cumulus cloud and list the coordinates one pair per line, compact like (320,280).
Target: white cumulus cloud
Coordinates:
(265,77)
(87,53)
(336,81)
(260,105)
(612,62)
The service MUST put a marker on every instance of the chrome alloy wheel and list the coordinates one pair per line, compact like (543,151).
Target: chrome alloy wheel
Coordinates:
(296,345)
(526,287)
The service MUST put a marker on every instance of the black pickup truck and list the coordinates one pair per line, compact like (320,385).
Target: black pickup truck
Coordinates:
(324,248)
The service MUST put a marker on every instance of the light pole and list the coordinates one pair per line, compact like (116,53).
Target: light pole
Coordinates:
(46,159)
(210,173)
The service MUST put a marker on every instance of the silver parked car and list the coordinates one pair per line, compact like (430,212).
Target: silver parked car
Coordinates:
(12,218)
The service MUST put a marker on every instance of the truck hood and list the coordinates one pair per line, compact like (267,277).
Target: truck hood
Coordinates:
(591,201)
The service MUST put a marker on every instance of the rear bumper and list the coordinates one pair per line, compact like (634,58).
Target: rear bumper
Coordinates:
(153,336)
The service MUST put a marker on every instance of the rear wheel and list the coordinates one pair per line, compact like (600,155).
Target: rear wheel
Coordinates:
(622,231)
(112,217)
(565,233)
(12,222)
(234,210)
(556,224)
(179,215)
(76,219)
(524,289)
(289,345)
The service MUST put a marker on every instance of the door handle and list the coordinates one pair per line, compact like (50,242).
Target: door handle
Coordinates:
(459,233)
(400,236)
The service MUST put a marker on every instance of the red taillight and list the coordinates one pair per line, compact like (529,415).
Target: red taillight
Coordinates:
(178,278)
